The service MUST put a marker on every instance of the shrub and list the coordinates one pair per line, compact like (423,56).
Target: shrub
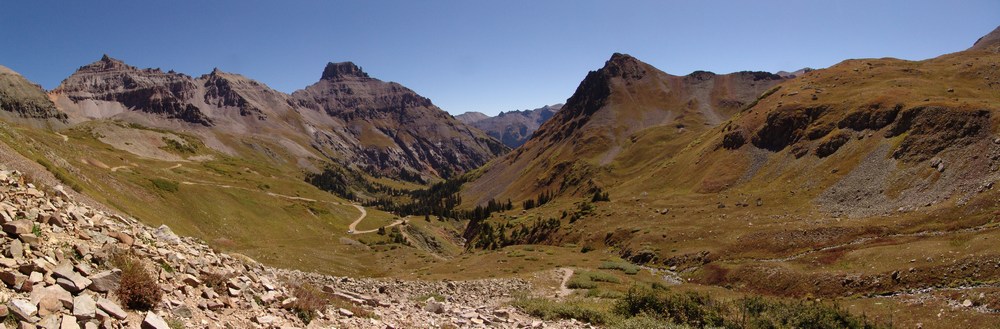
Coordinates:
(174,323)
(137,289)
(216,281)
(551,310)
(643,322)
(178,146)
(602,277)
(628,268)
(164,184)
(309,301)
(700,310)
(581,282)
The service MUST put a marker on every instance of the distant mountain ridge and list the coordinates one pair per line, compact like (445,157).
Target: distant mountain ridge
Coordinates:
(347,117)
(512,128)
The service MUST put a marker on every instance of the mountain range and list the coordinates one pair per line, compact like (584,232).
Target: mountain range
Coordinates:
(513,128)
(859,195)
(347,118)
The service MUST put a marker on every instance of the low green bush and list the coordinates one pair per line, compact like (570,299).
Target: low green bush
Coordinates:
(165,185)
(554,310)
(628,268)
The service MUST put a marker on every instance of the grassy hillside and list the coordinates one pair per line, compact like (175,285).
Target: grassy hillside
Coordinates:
(245,205)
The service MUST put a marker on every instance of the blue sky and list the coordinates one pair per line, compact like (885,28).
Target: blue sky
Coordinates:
(476,55)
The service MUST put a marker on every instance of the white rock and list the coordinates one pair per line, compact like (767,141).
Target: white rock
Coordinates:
(84,307)
(22,308)
(153,321)
(111,308)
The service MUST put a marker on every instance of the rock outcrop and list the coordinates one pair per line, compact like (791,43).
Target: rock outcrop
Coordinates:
(109,86)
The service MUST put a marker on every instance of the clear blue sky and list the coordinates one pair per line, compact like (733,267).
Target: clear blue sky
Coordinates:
(476,55)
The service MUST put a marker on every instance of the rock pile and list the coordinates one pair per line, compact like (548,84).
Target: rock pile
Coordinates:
(56,273)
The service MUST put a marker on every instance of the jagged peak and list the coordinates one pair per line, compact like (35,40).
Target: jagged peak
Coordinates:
(342,70)
(106,63)
(988,41)
(220,74)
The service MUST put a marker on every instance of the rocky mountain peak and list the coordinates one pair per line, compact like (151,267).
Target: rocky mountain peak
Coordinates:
(106,63)
(990,41)
(624,66)
(341,70)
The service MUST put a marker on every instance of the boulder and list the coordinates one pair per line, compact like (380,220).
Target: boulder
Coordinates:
(52,298)
(15,250)
(153,321)
(84,307)
(22,308)
(434,307)
(112,308)
(69,322)
(105,281)
(163,233)
(18,227)
(65,271)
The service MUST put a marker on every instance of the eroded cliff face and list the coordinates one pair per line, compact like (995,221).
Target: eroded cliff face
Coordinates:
(153,91)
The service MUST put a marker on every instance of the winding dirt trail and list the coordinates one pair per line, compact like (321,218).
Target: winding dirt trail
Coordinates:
(115,169)
(353,229)
(563,289)
(353,225)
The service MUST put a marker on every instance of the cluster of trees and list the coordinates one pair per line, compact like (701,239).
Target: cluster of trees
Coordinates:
(493,236)
(440,199)
(335,180)
(539,200)
(600,196)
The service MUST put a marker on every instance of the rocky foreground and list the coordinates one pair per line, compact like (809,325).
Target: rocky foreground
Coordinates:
(57,269)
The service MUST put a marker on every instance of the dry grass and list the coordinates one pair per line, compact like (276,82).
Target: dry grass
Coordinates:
(309,302)
(216,281)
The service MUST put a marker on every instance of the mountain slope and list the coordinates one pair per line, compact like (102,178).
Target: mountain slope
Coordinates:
(23,101)
(392,128)
(513,128)
(600,122)
(873,177)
